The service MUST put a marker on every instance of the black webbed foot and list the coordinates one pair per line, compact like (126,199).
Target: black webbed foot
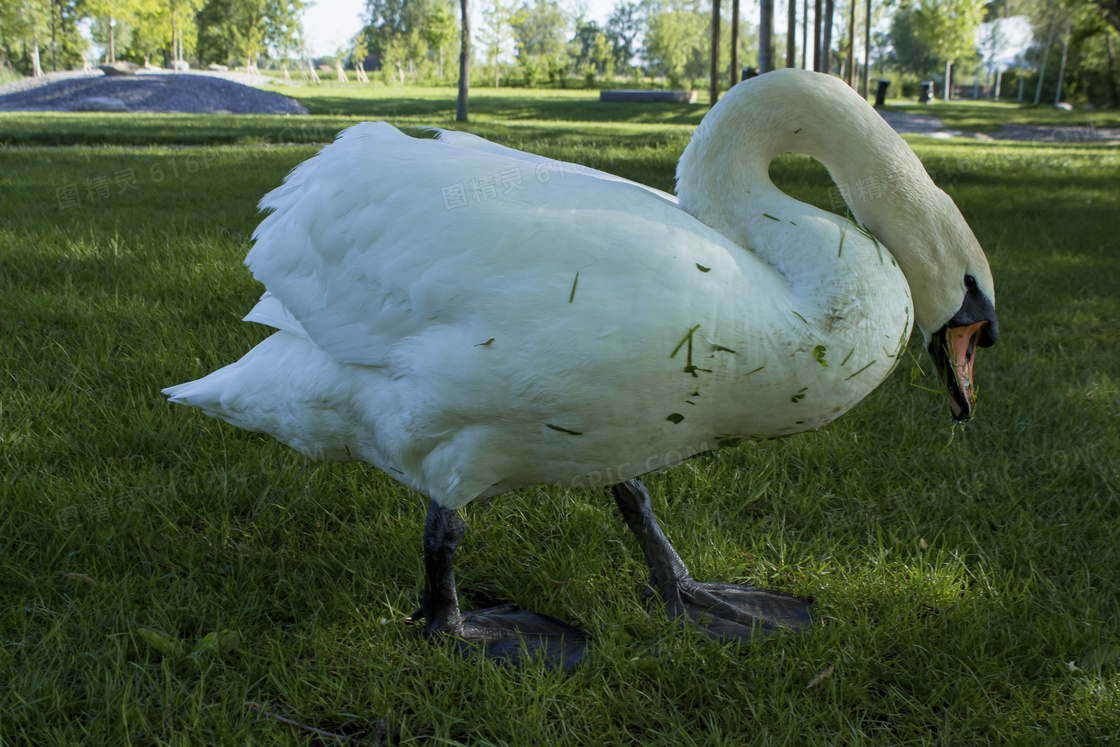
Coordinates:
(732,612)
(505,633)
(513,636)
(723,611)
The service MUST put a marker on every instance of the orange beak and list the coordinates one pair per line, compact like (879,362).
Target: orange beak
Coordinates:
(960,344)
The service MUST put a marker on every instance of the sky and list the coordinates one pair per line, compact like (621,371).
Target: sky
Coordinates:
(329,24)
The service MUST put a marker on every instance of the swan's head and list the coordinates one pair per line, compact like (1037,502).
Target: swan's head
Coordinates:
(954,295)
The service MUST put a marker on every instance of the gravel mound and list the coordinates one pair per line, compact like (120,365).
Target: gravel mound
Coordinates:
(172,92)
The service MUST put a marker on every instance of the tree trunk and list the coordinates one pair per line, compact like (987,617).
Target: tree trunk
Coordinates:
(1045,57)
(948,77)
(464,65)
(36,69)
(865,86)
(1111,87)
(817,36)
(791,34)
(713,88)
(826,36)
(54,50)
(1062,69)
(112,51)
(804,33)
(851,72)
(735,42)
(765,36)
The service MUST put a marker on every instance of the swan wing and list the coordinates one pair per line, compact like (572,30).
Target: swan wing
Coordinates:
(381,236)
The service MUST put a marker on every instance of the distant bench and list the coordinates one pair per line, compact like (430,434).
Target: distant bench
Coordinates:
(680,97)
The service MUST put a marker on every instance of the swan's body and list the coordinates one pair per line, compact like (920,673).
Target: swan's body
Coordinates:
(473,319)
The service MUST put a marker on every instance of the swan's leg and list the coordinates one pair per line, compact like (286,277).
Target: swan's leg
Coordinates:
(506,632)
(724,611)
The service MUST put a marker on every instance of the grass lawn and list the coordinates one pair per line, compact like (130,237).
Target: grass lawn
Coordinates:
(162,574)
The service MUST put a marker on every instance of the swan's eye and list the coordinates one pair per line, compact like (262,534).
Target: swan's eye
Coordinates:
(969,282)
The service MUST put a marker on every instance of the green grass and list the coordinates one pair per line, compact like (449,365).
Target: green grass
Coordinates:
(965,581)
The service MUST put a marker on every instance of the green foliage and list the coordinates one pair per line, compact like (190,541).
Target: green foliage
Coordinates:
(540,31)
(947,28)
(233,32)
(911,50)
(441,26)
(593,51)
(409,31)
(496,33)
(678,45)
(41,30)
(626,23)
(1091,75)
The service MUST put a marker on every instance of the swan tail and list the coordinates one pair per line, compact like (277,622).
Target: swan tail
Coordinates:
(267,392)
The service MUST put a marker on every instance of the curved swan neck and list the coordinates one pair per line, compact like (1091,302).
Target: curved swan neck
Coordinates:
(798,112)
(723,175)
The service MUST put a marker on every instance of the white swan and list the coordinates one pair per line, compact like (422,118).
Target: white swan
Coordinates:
(473,319)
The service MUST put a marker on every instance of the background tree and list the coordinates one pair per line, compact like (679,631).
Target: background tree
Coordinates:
(151,29)
(540,32)
(496,33)
(626,23)
(592,50)
(766,36)
(910,52)
(397,32)
(1090,74)
(464,62)
(112,25)
(676,45)
(1109,10)
(231,31)
(440,29)
(27,26)
(948,29)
